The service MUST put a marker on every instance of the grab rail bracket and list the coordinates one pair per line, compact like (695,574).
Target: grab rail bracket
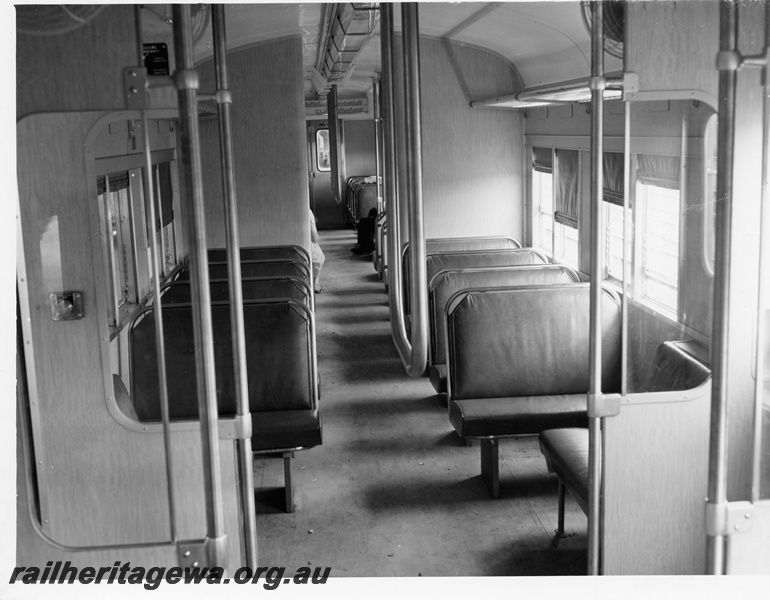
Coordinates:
(729,518)
(206,552)
(603,405)
(236,427)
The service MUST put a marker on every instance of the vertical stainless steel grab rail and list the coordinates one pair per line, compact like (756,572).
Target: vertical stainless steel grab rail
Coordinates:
(414,352)
(334,142)
(160,345)
(597,84)
(186,82)
(377,142)
(717,486)
(764,267)
(379,260)
(243,443)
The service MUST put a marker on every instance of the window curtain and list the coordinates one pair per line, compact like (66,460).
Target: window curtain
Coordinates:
(566,196)
(613,178)
(660,171)
(162,181)
(118,181)
(542,160)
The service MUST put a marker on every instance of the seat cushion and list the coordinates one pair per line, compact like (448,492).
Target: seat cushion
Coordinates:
(566,453)
(285,429)
(500,417)
(438,378)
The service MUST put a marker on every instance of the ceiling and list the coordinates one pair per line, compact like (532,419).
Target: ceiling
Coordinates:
(546,42)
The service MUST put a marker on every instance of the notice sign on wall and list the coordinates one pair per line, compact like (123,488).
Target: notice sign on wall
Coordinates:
(156,59)
(345,106)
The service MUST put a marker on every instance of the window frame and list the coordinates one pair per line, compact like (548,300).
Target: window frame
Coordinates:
(318,146)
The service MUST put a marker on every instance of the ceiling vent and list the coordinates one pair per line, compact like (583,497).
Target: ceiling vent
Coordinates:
(346,29)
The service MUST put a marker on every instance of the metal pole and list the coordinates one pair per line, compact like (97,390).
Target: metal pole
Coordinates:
(377,141)
(390,178)
(334,142)
(186,81)
(419,284)
(597,85)
(413,355)
(160,343)
(627,233)
(764,266)
(717,486)
(378,149)
(237,327)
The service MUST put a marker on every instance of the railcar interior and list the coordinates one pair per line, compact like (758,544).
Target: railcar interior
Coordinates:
(418,289)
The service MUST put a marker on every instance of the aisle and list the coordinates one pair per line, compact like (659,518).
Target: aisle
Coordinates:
(393,491)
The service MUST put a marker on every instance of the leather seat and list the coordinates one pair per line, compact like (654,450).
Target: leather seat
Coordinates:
(505,417)
(566,454)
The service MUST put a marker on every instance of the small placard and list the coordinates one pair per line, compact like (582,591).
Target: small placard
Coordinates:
(156,59)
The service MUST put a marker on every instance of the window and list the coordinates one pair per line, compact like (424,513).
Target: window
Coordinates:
(542,202)
(164,203)
(658,275)
(614,218)
(567,242)
(614,228)
(114,199)
(323,162)
(125,223)
(555,202)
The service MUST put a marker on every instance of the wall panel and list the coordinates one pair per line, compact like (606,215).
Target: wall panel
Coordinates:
(79,70)
(99,482)
(656,468)
(685,36)
(360,156)
(472,158)
(269,147)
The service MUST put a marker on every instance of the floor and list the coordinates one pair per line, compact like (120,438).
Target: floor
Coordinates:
(393,491)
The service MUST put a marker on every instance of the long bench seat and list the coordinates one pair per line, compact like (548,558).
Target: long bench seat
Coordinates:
(677,366)
(281,370)
(255,268)
(517,362)
(446,284)
(278,286)
(360,195)
(453,245)
(435,262)
(262,253)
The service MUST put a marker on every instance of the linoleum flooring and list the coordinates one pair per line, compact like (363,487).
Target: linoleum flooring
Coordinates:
(393,491)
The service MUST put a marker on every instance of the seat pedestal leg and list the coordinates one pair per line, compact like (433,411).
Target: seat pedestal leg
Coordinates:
(560,527)
(287,456)
(490,469)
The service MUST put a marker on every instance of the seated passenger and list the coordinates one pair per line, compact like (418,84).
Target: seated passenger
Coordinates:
(365,228)
(316,255)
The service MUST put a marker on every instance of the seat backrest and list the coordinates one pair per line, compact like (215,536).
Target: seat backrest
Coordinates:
(280,358)
(462,244)
(435,262)
(261,253)
(365,200)
(675,369)
(252,288)
(528,341)
(256,268)
(447,283)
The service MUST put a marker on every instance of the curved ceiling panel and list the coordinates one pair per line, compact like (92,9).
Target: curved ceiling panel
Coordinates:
(547,42)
